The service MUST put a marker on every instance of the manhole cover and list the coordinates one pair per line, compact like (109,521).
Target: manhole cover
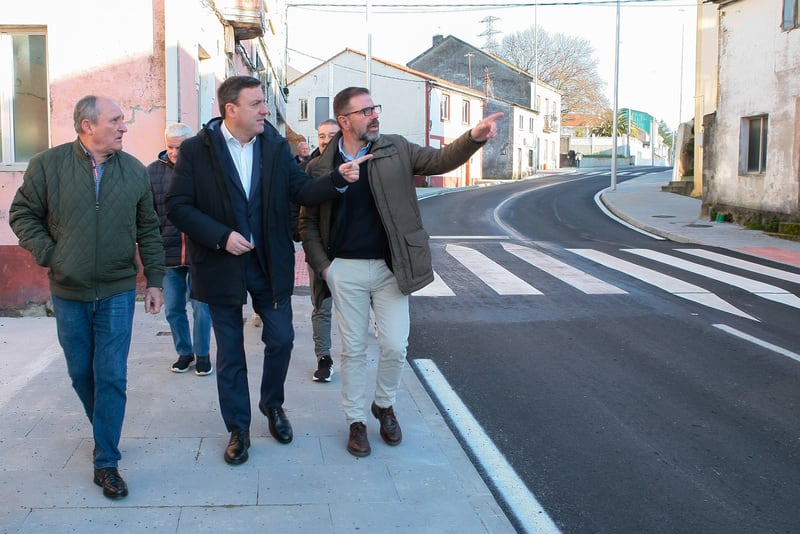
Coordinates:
(663,216)
(695,225)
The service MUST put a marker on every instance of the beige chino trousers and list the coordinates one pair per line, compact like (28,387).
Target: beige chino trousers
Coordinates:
(357,285)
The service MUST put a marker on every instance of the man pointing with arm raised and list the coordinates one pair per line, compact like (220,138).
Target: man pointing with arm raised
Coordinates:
(372,251)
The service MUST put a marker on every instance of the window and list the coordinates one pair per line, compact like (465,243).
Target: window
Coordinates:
(521,122)
(465,111)
(303,109)
(24,112)
(791,14)
(753,145)
(530,158)
(530,124)
(321,111)
(444,108)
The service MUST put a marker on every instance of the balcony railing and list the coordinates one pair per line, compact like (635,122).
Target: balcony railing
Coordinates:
(550,123)
(245,16)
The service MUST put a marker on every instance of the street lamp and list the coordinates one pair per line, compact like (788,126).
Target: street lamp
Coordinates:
(675,149)
(368,69)
(614,123)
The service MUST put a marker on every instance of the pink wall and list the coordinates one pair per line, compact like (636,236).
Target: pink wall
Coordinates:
(141,98)
(137,83)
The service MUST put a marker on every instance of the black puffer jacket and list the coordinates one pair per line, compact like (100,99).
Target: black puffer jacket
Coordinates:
(160,171)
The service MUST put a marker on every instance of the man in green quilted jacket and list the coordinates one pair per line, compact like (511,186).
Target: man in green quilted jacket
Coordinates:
(81,210)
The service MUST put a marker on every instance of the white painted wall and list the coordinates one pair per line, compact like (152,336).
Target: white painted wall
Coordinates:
(402,95)
(759,73)
(544,142)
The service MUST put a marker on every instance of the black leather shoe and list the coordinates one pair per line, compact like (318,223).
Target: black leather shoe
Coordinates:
(279,425)
(110,480)
(236,452)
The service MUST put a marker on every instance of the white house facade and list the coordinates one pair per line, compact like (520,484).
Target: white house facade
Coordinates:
(752,145)
(425,110)
(528,138)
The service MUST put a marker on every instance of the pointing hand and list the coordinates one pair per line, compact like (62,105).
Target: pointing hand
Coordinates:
(349,170)
(486,129)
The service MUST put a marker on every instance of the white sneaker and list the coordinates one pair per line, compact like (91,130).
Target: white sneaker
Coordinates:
(324,371)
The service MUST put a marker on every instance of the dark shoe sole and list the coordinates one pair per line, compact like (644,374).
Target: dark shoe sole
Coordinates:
(359,454)
(237,461)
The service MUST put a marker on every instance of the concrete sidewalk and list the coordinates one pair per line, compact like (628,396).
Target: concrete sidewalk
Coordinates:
(641,203)
(173,440)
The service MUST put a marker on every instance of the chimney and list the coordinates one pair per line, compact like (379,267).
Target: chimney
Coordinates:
(438,38)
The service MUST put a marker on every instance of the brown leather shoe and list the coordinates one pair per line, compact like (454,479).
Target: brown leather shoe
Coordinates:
(358,444)
(390,428)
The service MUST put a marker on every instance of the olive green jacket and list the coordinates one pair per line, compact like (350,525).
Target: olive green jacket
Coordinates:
(391,173)
(88,244)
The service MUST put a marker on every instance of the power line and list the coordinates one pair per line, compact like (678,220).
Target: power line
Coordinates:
(327,6)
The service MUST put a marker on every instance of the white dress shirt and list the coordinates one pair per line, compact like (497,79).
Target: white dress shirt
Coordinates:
(242,156)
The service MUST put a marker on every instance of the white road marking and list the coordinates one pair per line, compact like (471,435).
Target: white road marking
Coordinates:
(496,214)
(566,273)
(437,288)
(759,342)
(499,279)
(677,287)
(742,264)
(760,289)
(522,503)
(610,215)
(470,237)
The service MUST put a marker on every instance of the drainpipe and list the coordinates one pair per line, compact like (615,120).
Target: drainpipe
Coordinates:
(428,92)
(697,192)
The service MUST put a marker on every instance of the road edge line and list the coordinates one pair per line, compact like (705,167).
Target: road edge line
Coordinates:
(524,506)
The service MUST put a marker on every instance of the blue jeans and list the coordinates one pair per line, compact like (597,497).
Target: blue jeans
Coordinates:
(96,338)
(177,285)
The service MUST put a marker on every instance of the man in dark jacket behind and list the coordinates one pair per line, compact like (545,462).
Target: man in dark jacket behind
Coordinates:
(321,314)
(178,281)
(81,211)
(230,195)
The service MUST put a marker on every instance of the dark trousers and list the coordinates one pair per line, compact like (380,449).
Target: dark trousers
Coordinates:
(278,336)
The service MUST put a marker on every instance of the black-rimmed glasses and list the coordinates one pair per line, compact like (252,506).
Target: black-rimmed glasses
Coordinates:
(367,112)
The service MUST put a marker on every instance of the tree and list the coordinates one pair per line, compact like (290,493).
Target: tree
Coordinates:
(565,62)
(606,128)
(666,133)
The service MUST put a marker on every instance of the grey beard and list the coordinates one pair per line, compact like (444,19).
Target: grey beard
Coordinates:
(369,137)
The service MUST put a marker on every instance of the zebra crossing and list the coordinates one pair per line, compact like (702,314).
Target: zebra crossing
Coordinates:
(491,274)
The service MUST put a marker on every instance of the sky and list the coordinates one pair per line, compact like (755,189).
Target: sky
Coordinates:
(653,35)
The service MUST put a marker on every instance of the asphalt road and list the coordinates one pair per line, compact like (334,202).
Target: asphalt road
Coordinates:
(612,384)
